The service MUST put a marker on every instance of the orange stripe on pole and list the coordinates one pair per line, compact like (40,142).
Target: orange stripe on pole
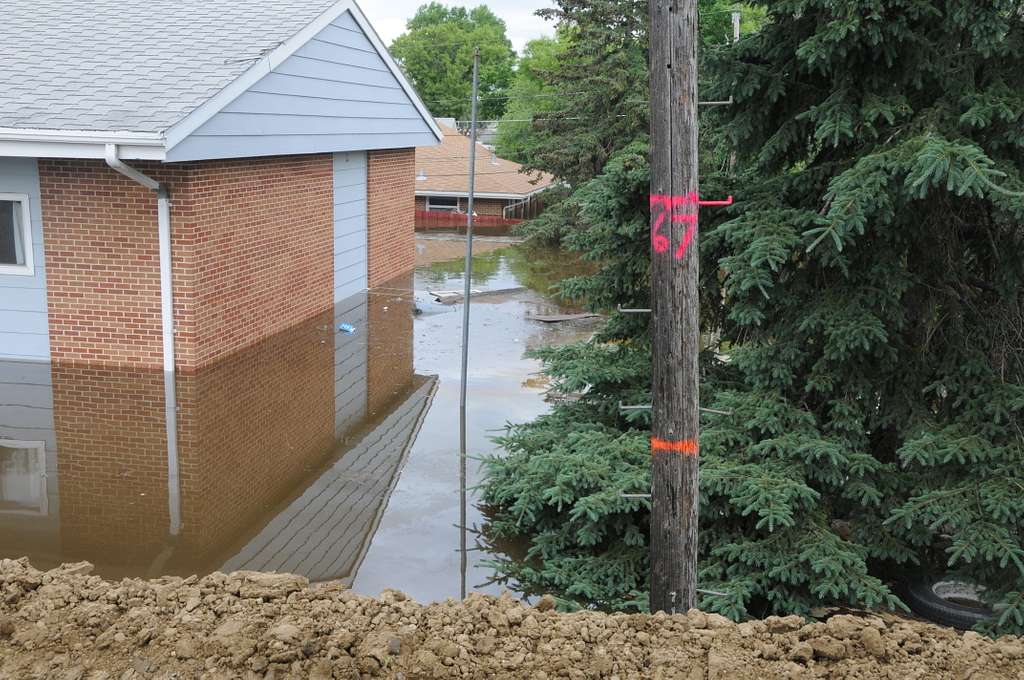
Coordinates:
(686,447)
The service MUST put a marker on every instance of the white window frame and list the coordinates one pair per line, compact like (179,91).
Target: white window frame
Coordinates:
(40,448)
(456,208)
(27,269)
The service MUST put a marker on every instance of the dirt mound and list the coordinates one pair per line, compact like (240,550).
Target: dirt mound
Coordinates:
(69,624)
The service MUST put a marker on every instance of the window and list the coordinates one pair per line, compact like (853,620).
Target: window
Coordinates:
(23,477)
(450,203)
(15,235)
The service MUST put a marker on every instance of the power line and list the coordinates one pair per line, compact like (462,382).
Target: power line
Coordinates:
(505,96)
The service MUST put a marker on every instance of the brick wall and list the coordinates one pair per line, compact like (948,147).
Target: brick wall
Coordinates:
(262,254)
(251,241)
(391,206)
(102,261)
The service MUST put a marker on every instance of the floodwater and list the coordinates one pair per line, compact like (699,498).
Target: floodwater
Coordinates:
(315,451)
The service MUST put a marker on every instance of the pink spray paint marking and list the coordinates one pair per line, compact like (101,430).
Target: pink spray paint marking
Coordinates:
(676,206)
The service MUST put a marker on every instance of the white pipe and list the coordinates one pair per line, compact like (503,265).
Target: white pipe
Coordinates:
(163,213)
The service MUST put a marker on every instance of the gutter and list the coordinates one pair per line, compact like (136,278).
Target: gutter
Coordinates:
(163,202)
(38,143)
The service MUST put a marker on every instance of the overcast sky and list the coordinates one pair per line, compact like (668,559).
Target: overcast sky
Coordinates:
(389,17)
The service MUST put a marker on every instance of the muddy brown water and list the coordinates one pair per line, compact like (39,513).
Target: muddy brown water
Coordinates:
(317,452)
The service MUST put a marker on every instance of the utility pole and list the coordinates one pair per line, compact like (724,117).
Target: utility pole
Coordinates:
(468,274)
(675,330)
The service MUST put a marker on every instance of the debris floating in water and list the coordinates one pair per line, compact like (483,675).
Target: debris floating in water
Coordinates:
(557,318)
(450,296)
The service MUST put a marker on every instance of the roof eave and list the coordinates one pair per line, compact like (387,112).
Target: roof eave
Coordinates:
(476,194)
(483,194)
(33,143)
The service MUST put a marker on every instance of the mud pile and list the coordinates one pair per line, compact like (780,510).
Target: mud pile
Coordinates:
(69,624)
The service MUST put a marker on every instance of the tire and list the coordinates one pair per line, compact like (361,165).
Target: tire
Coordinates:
(949,602)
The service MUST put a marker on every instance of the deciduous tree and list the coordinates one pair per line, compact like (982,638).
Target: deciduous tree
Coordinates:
(436,53)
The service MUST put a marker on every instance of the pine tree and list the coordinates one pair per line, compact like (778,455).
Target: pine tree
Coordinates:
(866,300)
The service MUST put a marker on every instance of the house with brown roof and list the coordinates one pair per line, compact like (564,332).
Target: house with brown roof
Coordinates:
(503,195)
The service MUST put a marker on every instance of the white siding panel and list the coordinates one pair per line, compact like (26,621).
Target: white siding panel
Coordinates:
(24,332)
(246,124)
(333,52)
(265,103)
(349,242)
(334,94)
(23,300)
(346,38)
(297,86)
(347,23)
(350,227)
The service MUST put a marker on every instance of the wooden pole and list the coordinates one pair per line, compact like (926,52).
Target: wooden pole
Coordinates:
(674,303)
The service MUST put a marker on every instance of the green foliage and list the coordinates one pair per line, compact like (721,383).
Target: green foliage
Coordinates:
(863,304)
(436,53)
(529,96)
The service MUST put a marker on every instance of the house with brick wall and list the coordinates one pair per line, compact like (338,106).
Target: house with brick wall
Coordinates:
(503,194)
(180,181)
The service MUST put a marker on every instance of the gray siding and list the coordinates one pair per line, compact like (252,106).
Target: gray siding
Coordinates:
(334,94)
(24,331)
(324,533)
(350,226)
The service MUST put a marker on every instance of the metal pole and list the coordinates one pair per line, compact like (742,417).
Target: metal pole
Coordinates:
(736,16)
(468,274)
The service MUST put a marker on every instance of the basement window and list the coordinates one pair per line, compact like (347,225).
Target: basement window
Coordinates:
(450,203)
(15,235)
(23,477)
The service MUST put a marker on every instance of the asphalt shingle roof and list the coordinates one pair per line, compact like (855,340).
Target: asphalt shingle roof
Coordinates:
(132,65)
(443,168)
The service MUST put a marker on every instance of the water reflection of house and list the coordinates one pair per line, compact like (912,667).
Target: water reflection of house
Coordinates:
(307,418)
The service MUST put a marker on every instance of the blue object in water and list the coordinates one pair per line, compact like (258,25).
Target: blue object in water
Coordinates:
(347,328)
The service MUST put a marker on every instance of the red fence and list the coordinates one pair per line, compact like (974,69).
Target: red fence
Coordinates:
(446,219)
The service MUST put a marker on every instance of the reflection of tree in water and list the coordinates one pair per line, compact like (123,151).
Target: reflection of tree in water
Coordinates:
(539,269)
(485,267)
(542,269)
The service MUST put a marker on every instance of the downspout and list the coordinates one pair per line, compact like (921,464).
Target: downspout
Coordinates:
(163,216)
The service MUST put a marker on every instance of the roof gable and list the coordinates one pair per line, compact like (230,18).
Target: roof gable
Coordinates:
(336,90)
